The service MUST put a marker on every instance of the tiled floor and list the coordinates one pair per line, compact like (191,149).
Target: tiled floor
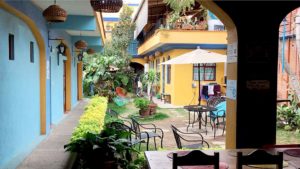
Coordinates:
(50,153)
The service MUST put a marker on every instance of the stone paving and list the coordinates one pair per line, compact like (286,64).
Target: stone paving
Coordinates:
(50,153)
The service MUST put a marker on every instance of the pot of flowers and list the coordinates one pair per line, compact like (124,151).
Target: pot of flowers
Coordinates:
(142,104)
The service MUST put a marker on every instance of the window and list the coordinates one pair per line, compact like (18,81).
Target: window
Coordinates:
(31,52)
(219,27)
(207,71)
(168,72)
(11,47)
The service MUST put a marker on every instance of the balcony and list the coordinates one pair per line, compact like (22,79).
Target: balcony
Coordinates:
(182,37)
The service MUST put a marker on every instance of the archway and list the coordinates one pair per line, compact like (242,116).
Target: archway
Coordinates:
(231,69)
(288,86)
(42,53)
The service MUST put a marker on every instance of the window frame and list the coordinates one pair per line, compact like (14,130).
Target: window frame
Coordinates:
(168,72)
(203,74)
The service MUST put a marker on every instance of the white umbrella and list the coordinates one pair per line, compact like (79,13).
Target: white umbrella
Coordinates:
(196,57)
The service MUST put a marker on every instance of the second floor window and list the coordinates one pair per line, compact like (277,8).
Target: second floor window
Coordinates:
(207,71)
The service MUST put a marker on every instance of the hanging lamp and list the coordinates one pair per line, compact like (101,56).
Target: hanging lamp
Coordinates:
(108,6)
(81,44)
(90,51)
(54,13)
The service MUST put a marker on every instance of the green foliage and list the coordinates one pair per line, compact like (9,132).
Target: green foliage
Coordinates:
(158,96)
(119,109)
(141,103)
(122,34)
(151,78)
(288,117)
(98,67)
(180,5)
(154,117)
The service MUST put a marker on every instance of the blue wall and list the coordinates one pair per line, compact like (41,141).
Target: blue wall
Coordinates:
(19,85)
(35,14)
(19,90)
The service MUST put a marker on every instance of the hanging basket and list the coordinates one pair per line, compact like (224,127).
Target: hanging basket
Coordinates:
(90,51)
(109,6)
(81,44)
(55,13)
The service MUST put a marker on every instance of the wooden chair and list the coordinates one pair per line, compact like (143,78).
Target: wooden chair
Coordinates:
(259,157)
(195,158)
(195,143)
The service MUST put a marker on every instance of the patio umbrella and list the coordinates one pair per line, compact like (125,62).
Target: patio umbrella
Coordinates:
(197,56)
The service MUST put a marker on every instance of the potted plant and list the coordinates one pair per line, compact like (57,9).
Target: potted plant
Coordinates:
(142,104)
(151,78)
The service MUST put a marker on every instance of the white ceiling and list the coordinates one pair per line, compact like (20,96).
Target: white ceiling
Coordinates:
(73,7)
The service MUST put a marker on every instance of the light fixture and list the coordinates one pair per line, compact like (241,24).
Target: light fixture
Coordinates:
(80,56)
(54,13)
(109,6)
(62,48)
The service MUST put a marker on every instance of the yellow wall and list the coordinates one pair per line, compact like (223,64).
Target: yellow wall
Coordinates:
(182,36)
(180,88)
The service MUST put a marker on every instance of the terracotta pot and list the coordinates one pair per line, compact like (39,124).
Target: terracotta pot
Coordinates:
(144,112)
(152,108)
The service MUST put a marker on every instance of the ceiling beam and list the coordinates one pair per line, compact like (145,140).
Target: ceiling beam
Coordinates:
(77,22)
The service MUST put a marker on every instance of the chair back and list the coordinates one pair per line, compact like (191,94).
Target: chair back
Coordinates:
(194,158)
(177,137)
(123,128)
(112,113)
(136,126)
(260,157)
(215,100)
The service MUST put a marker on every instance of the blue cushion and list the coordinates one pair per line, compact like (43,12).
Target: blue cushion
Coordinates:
(220,106)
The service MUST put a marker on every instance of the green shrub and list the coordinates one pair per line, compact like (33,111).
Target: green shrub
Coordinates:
(92,120)
(141,103)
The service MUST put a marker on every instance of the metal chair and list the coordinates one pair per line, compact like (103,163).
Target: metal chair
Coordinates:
(197,143)
(146,134)
(215,116)
(259,157)
(195,158)
(130,133)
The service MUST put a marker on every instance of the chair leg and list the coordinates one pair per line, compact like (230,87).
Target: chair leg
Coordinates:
(155,143)
(161,142)
(147,143)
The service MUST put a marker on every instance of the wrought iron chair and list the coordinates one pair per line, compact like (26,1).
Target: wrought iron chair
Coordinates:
(259,157)
(149,132)
(217,118)
(197,143)
(195,158)
(130,133)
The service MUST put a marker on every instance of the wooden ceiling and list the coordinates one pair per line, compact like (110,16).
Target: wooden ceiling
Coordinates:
(159,9)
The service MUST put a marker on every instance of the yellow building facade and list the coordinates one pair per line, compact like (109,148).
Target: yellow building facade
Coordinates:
(168,44)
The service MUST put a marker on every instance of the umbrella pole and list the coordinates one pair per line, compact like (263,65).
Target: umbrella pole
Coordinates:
(199,98)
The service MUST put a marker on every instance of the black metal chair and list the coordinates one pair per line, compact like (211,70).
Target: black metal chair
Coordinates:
(195,158)
(197,143)
(146,134)
(130,133)
(260,157)
(216,118)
